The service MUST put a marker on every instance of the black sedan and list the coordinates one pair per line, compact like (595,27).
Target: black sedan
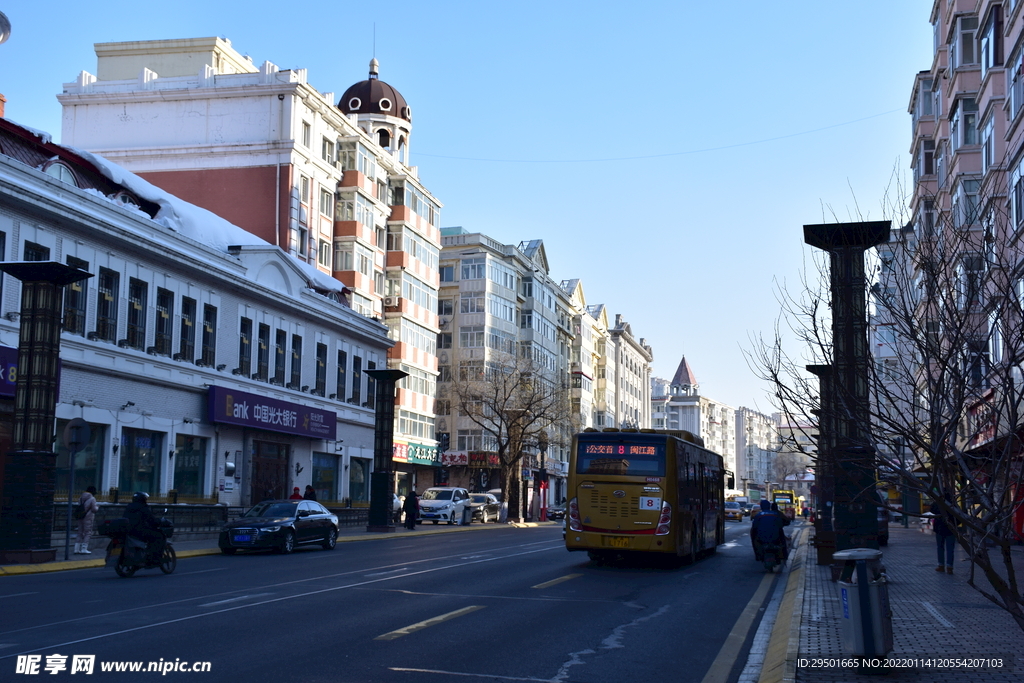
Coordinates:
(281,525)
(486,507)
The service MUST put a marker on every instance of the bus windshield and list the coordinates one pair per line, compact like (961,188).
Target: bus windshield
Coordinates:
(621,458)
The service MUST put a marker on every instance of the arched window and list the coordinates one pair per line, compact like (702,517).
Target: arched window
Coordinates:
(62,173)
(401,149)
(384,138)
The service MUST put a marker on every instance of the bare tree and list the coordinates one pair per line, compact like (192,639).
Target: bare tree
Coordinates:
(518,406)
(945,419)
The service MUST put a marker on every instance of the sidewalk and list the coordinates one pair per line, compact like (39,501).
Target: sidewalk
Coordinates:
(208,545)
(934,615)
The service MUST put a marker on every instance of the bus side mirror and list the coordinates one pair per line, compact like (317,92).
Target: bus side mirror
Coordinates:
(732,483)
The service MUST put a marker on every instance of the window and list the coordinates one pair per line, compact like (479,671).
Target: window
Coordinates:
(991,41)
(190,465)
(108,287)
(371,385)
(473,268)
(245,347)
(280,347)
(965,203)
(962,45)
(988,144)
(447,273)
(357,379)
(164,321)
(138,292)
(307,134)
(74,297)
(303,190)
(971,275)
(471,302)
(296,374)
(187,333)
(320,384)
(326,203)
(342,375)
(995,340)
(327,151)
(209,351)
(263,353)
(324,257)
(61,173)
(36,252)
(471,337)
(445,307)
(963,123)
(444,340)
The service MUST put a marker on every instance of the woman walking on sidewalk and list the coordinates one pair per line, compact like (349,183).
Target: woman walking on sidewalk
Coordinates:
(90,507)
(945,539)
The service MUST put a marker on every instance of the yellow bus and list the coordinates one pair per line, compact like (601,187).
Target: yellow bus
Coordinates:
(644,491)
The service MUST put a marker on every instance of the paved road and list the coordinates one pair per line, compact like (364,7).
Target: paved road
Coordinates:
(508,604)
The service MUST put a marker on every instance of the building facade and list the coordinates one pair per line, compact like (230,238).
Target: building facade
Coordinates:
(202,357)
(755,451)
(328,180)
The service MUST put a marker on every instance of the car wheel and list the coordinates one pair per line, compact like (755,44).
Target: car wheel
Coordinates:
(169,560)
(331,540)
(485,518)
(451,518)
(229,551)
(288,544)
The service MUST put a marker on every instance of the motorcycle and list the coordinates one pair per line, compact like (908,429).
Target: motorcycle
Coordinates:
(771,556)
(127,554)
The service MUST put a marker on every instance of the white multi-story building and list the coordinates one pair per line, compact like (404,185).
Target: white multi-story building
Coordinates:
(202,357)
(631,390)
(326,179)
(755,443)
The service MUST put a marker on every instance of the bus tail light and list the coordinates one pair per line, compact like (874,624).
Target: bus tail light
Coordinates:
(665,523)
(574,516)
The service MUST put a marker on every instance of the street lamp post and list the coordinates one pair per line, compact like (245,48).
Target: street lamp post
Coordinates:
(381,482)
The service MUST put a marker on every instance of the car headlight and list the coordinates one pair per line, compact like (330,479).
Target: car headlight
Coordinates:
(269,529)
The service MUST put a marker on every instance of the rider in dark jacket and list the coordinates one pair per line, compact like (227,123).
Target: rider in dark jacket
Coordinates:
(767,527)
(144,525)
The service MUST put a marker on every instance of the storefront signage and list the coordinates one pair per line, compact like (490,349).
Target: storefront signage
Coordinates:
(241,408)
(9,371)
(414,453)
(483,459)
(456,459)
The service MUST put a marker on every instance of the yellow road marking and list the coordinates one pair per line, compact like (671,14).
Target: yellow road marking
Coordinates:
(719,670)
(554,582)
(428,623)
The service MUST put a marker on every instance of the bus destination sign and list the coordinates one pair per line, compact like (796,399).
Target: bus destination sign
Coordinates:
(618,449)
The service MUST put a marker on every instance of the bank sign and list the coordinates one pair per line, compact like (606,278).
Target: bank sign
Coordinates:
(241,408)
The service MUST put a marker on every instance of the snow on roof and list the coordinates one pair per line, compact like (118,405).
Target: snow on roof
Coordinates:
(41,134)
(193,221)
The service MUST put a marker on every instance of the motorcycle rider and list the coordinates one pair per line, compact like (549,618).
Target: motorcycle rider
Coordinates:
(766,528)
(145,526)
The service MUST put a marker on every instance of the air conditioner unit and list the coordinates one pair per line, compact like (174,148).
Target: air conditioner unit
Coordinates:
(390,301)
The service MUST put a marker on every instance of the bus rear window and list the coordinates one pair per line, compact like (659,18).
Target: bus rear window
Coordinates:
(622,459)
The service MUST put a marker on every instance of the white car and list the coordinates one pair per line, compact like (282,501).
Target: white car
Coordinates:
(443,504)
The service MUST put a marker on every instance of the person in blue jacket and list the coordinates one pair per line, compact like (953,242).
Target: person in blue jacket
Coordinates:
(768,527)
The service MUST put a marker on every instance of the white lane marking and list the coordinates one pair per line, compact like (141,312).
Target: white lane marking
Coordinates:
(730,544)
(271,601)
(558,545)
(935,613)
(390,571)
(427,623)
(203,571)
(16,595)
(240,597)
(555,582)
(408,670)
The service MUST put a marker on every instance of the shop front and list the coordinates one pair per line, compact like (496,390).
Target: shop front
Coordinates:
(273,460)
(417,466)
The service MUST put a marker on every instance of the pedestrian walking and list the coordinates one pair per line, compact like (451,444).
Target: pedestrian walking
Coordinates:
(88,506)
(411,507)
(295,494)
(945,539)
(310,493)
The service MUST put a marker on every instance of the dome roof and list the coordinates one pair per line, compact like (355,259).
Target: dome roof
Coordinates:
(374,96)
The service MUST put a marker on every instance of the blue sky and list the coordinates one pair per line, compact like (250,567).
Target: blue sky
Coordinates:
(668,153)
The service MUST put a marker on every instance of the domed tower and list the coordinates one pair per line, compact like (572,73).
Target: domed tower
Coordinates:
(381,111)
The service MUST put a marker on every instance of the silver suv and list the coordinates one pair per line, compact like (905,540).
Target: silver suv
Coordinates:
(443,504)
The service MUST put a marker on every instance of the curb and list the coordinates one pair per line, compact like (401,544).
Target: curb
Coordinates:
(783,646)
(22,569)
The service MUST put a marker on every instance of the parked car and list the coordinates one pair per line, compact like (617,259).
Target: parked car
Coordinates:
(556,512)
(486,507)
(733,511)
(443,504)
(281,525)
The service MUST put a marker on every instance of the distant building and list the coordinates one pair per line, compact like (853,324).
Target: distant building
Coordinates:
(755,451)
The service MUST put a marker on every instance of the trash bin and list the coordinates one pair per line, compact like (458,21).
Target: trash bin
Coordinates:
(467,516)
(866,619)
